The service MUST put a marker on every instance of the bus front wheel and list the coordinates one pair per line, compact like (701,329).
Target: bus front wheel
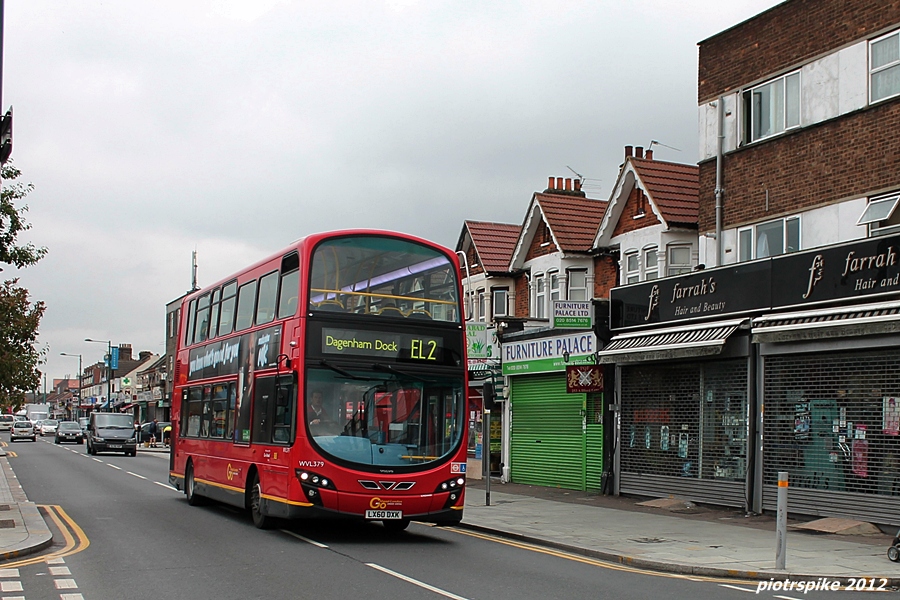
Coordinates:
(260,520)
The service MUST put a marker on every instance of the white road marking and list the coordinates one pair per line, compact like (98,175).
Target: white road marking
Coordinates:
(98,460)
(734,587)
(13,598)
(60,571)
(136,475)
(70,597)
(9,572)
(11,586)
(786,597)
(65,584)
(113,466)
(421,584)
(167,486)
(59,560)
(307,540)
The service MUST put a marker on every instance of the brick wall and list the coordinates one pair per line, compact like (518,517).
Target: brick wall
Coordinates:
(844,158)
(635,203)
(521,308)
(784,36)
(541,235)
(604,276)
(475,266)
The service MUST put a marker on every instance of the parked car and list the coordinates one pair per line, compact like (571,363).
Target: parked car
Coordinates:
(48,426)
(22,430)
(144,436)
(83,422)
(111,432)
(6,422)
(36,425)
(69,431)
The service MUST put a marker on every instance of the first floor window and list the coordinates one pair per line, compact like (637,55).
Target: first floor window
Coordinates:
(632,268)
(500,300)
(482,309)
(577,285)
(679,260)
(540,298)
(772,238)
(651,262)
(772,107)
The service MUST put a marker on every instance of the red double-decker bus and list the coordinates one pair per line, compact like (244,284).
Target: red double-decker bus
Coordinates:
(327,381)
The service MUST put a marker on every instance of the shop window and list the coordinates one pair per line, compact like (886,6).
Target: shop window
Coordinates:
(772,238)
(772,108)
(651,264)
(500,301)
(884,67)
(577,282)
(632,267)
(679,259)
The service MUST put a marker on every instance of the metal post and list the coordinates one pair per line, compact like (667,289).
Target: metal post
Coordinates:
(781,521)
(109,377)
(486,454)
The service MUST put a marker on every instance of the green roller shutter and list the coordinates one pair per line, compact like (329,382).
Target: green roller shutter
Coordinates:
(547,441)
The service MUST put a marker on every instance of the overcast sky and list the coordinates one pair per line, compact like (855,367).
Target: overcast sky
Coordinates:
(233,127)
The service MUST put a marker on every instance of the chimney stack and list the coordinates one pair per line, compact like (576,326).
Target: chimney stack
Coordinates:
(568,184)
(550,183)
(577,185)
(648,154)
(639,152)
(628,151)
(559,183)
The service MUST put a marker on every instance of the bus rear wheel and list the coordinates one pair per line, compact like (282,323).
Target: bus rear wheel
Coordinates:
(190,491)
(260,520)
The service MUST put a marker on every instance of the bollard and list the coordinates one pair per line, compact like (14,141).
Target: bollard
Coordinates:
(781,521)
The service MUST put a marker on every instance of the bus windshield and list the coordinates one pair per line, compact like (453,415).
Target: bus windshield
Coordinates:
(384,416)
(383,276)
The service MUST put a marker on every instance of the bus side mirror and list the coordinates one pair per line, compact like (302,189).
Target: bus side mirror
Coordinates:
(487,394)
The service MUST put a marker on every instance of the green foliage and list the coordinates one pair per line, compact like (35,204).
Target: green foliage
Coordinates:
(12,221)
(18,333)
(19,317)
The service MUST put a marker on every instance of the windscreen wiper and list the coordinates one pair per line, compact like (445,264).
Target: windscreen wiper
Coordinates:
(339,371)
(395,371)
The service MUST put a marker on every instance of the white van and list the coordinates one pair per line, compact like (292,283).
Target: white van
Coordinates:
(6,422)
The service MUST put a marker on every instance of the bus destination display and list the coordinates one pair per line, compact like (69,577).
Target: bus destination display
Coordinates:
(397,346)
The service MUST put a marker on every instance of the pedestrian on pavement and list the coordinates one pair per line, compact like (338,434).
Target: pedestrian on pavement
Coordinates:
(167,435)
(153,430)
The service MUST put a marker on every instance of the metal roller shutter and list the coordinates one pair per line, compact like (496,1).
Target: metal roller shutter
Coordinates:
(547,442)
(832,421)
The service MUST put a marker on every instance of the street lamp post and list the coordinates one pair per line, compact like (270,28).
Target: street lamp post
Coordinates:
(108,370)
(80,374)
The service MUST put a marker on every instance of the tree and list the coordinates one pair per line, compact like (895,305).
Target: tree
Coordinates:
(12,221)
(19,317)
(19,358)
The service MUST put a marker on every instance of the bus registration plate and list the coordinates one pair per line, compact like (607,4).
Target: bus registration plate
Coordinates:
(384,514)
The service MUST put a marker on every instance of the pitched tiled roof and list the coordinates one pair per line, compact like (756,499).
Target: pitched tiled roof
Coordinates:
(674,188)
(494,243)
(574,220)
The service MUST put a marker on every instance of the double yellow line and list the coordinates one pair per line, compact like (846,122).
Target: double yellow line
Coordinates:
(74,536)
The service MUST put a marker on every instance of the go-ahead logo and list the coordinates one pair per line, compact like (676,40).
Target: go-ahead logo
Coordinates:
(379,504)
(230,472)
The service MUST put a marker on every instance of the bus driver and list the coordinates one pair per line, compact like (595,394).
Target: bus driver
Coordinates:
(317,416)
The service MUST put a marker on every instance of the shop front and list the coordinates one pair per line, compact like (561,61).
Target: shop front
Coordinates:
(728,376)
(555,435)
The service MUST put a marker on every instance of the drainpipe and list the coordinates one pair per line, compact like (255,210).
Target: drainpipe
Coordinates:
(720,142)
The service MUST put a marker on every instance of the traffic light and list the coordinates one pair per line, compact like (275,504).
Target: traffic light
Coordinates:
(488,395)
(6,136)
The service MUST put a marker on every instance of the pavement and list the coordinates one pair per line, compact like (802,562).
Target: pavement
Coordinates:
(684,538)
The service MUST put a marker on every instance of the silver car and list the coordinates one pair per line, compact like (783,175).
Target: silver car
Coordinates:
(22,430)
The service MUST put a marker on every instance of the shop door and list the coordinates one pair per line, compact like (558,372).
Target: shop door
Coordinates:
(547,437)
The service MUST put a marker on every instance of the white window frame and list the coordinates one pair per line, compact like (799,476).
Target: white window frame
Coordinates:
(650,272)
(874,71)
(629,274)
(540,297)
(673,268)
(553,286)
(754,238)
(498,305)
(750,105)
(576,289)
(482,309)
